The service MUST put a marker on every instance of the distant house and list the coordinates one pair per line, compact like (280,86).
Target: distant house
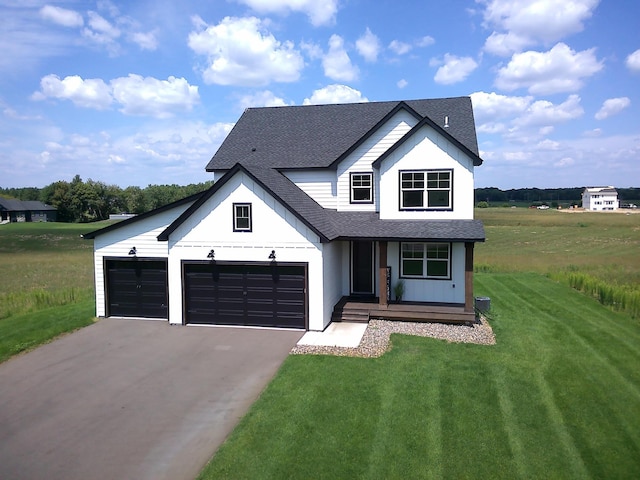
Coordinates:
(26,211)
(600,199)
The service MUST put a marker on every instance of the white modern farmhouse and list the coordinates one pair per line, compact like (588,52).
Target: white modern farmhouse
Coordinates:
(600,199)
(318,213)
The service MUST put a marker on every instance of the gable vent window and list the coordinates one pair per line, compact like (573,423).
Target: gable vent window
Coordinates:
(362,188)
(426,190)
(242,217)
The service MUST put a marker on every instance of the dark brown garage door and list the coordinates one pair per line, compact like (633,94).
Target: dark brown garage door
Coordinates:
(257,295)
(137,288)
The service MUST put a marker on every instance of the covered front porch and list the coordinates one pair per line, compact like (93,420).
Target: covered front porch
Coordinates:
(371,287)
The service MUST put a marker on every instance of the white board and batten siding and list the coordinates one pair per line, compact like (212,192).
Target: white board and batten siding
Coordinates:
(273,228)
(362,158)
(431,290)
(426,150)
(141,234)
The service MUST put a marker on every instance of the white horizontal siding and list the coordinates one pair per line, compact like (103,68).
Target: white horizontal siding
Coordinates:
(318,184)
(427,149)
(362,158)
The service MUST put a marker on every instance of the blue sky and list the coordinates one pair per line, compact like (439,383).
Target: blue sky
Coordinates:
(144,92)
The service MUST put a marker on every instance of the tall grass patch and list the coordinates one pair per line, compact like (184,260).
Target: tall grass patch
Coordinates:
(43,265)
(46,283)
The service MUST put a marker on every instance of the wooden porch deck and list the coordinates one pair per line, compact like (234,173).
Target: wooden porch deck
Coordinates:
(350,309)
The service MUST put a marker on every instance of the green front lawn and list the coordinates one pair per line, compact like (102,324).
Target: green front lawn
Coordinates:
(557,397)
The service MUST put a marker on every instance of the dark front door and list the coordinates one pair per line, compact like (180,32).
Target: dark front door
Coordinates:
(272,295)
(137,288)
(362,268)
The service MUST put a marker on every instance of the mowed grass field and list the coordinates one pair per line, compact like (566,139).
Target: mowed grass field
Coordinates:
(606,245)
(558,396)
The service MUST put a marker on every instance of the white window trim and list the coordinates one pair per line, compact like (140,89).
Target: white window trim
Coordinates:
(352,187)
(236,217)
(426,260)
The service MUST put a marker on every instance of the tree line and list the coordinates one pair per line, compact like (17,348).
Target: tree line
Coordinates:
(90,201)
(545,195)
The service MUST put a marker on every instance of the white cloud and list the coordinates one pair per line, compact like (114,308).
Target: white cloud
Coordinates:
(561,69)
(455,69)
(146,41)
(596,132)
(522,23)
(425,41)
(61,16)
(400,48)
(633,61)
(336,62)
(489,106)
(543,113)
(504,44)
(335,94)
(368,45)
(240,51)
(313,50)
(547,144)
(320,12)
(402,83)
(135,94)
(261,99)
(100,31)
(612,106)
(153,97)
(89,93)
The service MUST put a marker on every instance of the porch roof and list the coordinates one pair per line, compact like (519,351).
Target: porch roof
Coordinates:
(368,225)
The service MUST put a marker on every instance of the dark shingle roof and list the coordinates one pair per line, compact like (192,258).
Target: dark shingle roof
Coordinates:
(354,225)
(13,205)
(318,135)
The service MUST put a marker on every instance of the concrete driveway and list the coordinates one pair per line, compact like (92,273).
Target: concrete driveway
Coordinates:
(131,399)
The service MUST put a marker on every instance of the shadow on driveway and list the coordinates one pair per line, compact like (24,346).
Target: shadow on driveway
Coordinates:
(131,399)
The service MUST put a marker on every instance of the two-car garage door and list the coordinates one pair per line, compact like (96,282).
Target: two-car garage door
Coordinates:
(272,295)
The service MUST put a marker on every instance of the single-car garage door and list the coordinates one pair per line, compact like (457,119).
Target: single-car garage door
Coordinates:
(269,295)
(137,288)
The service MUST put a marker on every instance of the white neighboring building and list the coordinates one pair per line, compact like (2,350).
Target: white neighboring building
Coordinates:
(600,199)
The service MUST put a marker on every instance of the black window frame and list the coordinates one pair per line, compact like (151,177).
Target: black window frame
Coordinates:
(352,188)
(421,187)
(426,249)
(248,216)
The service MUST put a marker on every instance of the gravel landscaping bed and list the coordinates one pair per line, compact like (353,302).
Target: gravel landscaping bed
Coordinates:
(375,340)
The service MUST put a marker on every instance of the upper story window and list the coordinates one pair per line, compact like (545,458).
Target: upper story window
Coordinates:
(426,190)
(242,217)
(361,188)
(425,260)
